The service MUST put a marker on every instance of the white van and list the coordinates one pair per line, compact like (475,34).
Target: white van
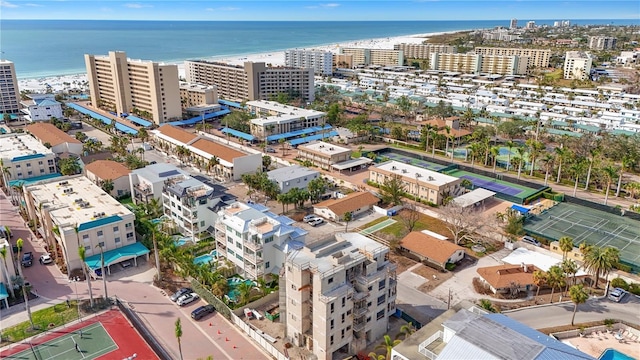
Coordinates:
(529,240)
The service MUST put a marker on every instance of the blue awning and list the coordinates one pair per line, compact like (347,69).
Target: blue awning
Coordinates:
(197,119)
(307,139)
(126,129)
(230,103)
(239,134)
(3,292)
(137,120)
(91,113)
(520,209)
(29,181)
(116,255)
(296,133)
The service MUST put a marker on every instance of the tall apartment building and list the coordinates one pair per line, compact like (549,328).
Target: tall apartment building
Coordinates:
(128,84)
(423,51)
(342,61)
(577,65)
(25,157)
(464,63)
(503,65)
(513,24)
(196,94)
(382,57)
(530,25)
(320,61)
(276,118)
(255,240)
(538,58)
(339,294)
(252,81)
(73,212)
(602,42)
(9,92)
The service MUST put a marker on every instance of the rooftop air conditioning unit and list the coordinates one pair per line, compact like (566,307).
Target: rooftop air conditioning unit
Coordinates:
(393,167)
(431,178)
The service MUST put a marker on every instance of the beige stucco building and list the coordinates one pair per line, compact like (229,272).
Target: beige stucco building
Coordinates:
(538,58)
(476,64)
(423,51)
(383,57)
(196,94)
(134,84)
(9,92)
(276,118)
(324,154)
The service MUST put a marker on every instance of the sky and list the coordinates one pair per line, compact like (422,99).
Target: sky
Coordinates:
(345,10)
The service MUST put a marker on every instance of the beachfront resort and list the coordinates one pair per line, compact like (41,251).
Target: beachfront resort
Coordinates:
(400,198)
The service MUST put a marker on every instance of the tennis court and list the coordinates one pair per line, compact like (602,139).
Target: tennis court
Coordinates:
(589,225)
(494,184)
(411,160)
(503,156)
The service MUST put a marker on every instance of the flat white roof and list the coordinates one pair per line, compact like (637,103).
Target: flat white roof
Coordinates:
(541,261)
(284,109)
(473,197)
(324,148)
(75,200)
(17,145)
(411,171)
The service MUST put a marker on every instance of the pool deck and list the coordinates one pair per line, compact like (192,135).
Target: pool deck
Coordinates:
(595,345)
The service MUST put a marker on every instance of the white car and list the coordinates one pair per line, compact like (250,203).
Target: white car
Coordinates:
(187,298)
(617,294)
(315,222)
(45,259)
(309,218)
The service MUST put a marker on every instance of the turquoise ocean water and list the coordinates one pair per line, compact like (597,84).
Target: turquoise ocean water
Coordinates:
(56,47)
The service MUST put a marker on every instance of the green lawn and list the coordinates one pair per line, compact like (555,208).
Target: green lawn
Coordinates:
(397,229)
(126,201)
(58,314)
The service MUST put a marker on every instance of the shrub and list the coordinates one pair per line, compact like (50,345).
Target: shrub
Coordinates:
(481,287)
(450,266)
(634,289)
(623,267)
(619,283)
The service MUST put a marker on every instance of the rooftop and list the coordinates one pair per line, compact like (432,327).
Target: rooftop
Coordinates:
(214,149)
(16,146)
(351,202)
(176,133)
(323,148)
(274,106)
(290,173)
(158,172)
(539,260)
(48,133)
(107,169)
(502,276)
(415,172)
(76,201)
(429,246)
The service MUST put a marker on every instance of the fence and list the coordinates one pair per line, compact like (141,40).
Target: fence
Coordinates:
(606,208)
(144,332)
(261,340)
(408,318)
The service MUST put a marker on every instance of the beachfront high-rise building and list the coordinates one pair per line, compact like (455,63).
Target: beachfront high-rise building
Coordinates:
(602,42)
(423,51)
(253,80)
(530,25)
(339,294)
(478,64)
(538,58)
(9,93)
(342,61)
(513,24)
(130,84)
(577,65)
(320,61)
(382,57)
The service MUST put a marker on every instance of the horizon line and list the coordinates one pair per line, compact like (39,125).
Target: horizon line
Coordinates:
(387,20)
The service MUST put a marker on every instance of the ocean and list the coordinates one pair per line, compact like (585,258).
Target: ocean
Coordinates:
(41,48)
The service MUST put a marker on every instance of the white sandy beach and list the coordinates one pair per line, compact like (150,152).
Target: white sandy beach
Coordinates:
(57,83)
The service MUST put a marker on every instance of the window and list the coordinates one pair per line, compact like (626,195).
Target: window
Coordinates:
(41,171)
(87,248)
(267,265)
(381,299)
(343,317)
(332,307)
(117,240)
(49,162)
(330,280)
(344,302)
(331,340)
(268,240)
(101,243)
(30,173)
(39,162)
(381,284)
(129,236)
(202,223)
(17,166)
(19,174)
(100,233)
(28,164)
(343,333)
(380,314)
(127,225)
(332,324)
(116,229)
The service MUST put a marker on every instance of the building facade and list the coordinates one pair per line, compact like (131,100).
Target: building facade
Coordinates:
(41,107)
(276,118)
(128,84)
(196,94)
(382,57)
(185,200)
(254,240)
(252,81)
(58,140)
(339,294)
(320,61)
(577,65)
(424,184)
(513,24)
(342,61)
(101,171)
(538,58)
(323,154)
(291,177)
(73,211)
(423,51)
(9,92)
(148,182)
(25,157)
(602,42)
(463,63)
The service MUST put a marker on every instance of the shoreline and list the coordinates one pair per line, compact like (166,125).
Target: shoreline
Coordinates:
(273,57)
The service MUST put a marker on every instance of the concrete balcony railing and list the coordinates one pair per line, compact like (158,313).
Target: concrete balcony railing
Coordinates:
(253,245)
(359,325)
(426,347)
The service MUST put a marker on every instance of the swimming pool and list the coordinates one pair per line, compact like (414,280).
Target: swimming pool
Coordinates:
(613,354)
(182,241)
(206,258)
(233,284)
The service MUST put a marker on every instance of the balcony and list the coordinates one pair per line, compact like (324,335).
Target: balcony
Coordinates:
(220,227)
(432,346)
(253,258)
(253,245)
(359,311)
(359,325)
(253,272)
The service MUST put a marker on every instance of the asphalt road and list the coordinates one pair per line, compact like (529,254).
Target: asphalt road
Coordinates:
(421,306)
(593,310)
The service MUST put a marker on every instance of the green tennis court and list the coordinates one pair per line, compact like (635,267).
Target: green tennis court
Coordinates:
(93,343)
(493,184)
(589,225)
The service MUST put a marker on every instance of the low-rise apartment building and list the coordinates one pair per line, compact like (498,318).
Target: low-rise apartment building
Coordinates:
(538,58)
(187,202)
(102,171)
(276,118)
(255,240)
(148,182)
(476,64)
(323,154)
(356,203)
(339,294)
(128,84)
(382,57)
(424,184)
(9,92)
(423,51)
(71,212)
(58,140)
(320,61)
(25,157)
(41,107)
(252,81)
(291,177)
(602,42)
(577,65)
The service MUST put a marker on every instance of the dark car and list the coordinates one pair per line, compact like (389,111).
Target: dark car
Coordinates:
(202,311)
(179,293)
(27,259)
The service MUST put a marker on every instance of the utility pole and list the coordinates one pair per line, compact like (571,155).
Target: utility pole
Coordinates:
(449,300)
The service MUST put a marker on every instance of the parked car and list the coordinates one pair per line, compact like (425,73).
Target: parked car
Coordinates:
(529,240)
(315,222)
(179,293)
(202,311)
(270,150)
(617,294)
(309,218)
(45,259)
(187,298)
(27,259)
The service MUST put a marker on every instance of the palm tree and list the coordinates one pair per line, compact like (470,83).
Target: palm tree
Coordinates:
(83,258)
(244,292)
(594,152)
(627,162)
(387,345)
(566,245)
(3,254)
(576,169)
(104,273)
(609,172)
(495,151)
(633,189)
(20,244)
(555,279)
(178,333)
(107,186)
(548,161)
(570,268)
(599,261)
(539,279)
(213,164)
(561,153)
(155,251)
(578,296)
(510,145)
(406,331)
(348,216)
(535,150)
(521,152)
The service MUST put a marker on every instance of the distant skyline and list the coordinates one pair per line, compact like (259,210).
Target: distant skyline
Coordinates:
(306,10)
